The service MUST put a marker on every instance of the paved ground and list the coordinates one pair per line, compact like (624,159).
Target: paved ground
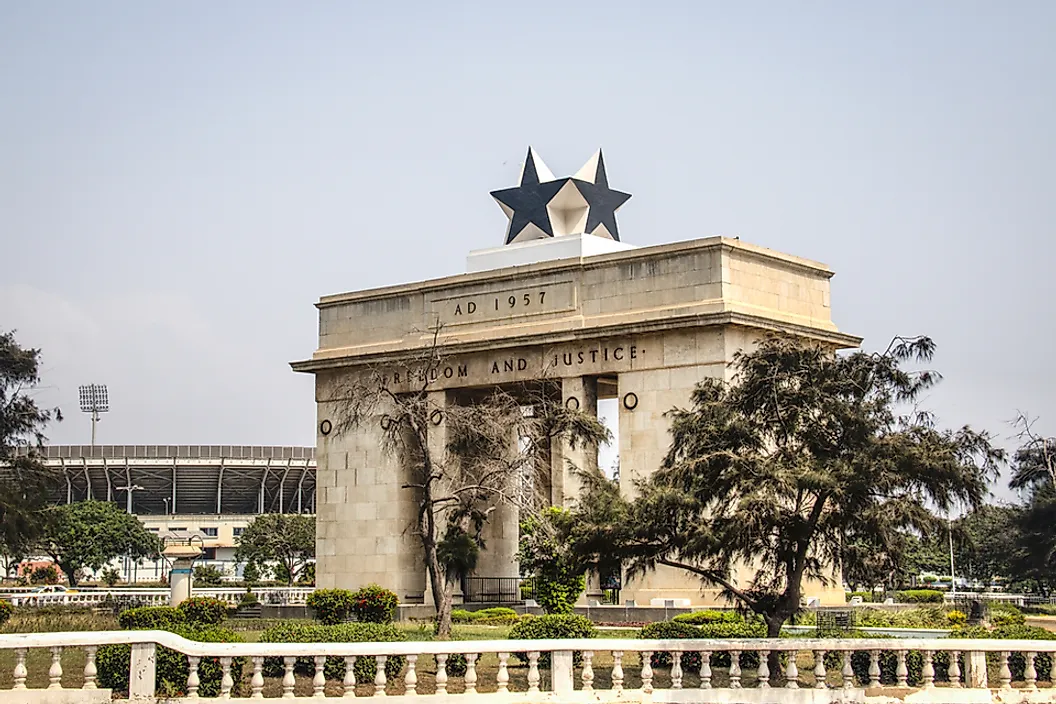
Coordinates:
(1046,622)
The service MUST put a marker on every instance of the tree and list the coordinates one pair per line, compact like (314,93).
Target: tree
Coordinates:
(546,553)
(208,576)
(89,534)
(774,473)
(288,539)
(25,482)
(1034,474)
(987,541)
(496,449)
(109,576)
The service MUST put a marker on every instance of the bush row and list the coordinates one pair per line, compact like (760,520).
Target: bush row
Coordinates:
(497,616)
(197,611)
(6,609)
(365,668)
(722,629)
(699,618)
(920,596)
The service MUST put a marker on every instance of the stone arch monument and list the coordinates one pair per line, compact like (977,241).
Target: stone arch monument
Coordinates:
(564,298)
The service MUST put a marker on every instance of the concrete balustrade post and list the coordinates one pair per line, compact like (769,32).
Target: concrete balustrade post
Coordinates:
(561,672)
(142,671)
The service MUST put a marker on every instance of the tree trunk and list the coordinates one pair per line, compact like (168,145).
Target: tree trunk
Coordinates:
(71,574)
(442,595)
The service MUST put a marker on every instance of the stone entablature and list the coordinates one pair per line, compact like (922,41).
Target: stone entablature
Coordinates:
(711,281)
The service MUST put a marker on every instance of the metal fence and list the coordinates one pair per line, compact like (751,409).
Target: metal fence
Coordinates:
(497,590)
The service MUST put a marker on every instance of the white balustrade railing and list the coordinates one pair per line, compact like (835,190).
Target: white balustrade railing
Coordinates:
(808,671)
(291,596)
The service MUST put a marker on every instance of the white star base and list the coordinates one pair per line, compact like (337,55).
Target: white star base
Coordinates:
(542,250)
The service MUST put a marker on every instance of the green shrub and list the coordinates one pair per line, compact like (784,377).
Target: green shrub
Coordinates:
(956,618)
(250,599)
(497,616)
(557,594)
(112,663)
(152,617)
(331,606)
(698,618)
(551,626)
(374,604)
(921,596)
(6,609)
(366,668)
(46,574)
(674,630)
(203,610)
(866,596)
(463,616)
(1005,615)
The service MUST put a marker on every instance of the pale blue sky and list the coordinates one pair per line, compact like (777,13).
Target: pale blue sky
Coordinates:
(180,182)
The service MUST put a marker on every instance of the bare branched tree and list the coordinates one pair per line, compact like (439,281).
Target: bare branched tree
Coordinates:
(465,454)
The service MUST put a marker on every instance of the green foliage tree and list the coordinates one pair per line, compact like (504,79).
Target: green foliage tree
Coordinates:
(986,542)
(208,576)
(288,539)
(546,553)
(109,576)
(1034,475)
(91,534)
(489,451)
(25,482)
(803,451)
(251,573)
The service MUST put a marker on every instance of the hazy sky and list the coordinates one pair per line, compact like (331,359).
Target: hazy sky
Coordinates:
(179,182)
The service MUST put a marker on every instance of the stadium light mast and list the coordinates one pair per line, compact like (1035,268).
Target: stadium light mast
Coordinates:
(94,401)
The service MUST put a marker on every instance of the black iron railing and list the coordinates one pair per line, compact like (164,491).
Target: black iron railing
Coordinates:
(497,590)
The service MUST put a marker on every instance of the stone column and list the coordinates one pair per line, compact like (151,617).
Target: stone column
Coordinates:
(180,577)
(580,392)
(438,401)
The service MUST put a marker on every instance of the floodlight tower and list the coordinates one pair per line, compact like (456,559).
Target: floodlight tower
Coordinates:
(94,401)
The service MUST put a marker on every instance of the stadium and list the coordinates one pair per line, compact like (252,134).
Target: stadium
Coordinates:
(213,491)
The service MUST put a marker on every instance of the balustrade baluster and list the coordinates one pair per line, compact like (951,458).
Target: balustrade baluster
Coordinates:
(647,671)
(90,671)
(533,672)
(379,675)
(848,671)
(55,671)
(735,669)
(410,680)
(1030,673)
(927,671)
(288,680)
(617,671)
(319,680)
(953,672)
(349,682)
(874,668)
(792,671)
(1004,675)
(588,671)
(820,672)
(705,670)
(763,672)
(256,682)
(502,680)
(226,683)
(471,673)
(676,670)
(193,680)
(901,672)
(20,672)
(441,673)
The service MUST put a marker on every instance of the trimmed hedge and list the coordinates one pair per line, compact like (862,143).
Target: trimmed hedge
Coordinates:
(865,596)
(113,662)
(496,616)
(146,618)
(920,596)
(366,668)
(203,610)
(551,626)
(331,606)
(699,618)
(691,659)
(6,609)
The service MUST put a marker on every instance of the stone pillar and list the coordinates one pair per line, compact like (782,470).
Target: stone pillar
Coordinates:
(438,401)
(180,579)
(580,392)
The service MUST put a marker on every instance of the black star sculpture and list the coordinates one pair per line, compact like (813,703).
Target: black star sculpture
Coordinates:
(545,206)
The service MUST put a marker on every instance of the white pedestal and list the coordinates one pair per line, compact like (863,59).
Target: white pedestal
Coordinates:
(180,581)
(541,250)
